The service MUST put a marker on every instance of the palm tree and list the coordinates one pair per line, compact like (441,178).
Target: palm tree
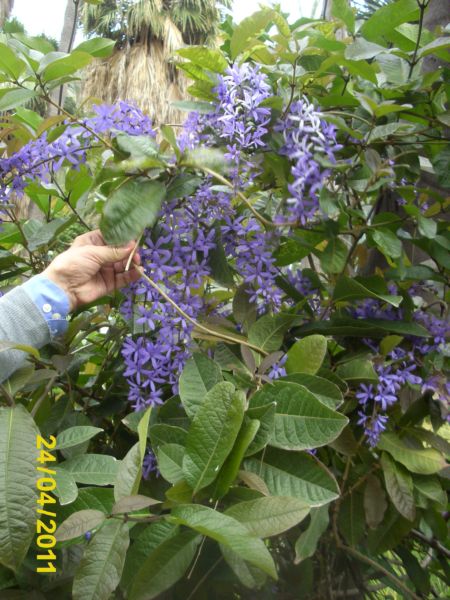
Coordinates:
(147,32)
(6,7)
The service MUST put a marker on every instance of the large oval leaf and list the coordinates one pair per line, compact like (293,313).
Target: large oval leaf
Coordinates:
(131,208)
(295,474)
(18,494)
(323,389)
(301,420)
(269,516)
(199,375)
(425,461)
(226,531)
(307,354)
(98,469)
(101,567)
(212,434)
(164,566)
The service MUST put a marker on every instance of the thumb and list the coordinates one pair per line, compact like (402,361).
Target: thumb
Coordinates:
(111,254)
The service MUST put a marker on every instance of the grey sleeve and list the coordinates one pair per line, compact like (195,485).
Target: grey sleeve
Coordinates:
(20,323)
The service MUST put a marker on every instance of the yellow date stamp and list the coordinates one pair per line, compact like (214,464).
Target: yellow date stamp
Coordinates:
(45,521)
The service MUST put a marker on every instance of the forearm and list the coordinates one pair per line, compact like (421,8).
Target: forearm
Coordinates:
(30,314)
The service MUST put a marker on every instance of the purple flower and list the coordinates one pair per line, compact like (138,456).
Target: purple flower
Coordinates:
(150,465)
(308,142)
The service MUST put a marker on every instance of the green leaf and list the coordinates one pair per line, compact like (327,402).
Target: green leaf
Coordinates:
(143,545)
(357,370)
(212,434)
(364,328)
(167,434)
(265,415)
(48,232)
(391,531)
(306,545)
(231,466)
(101,567)
(137,146)
(202,157)
(375,504)
(89,498)
(207,58)
(182,186)
(164,566)
(133,503)
(301,420)
(268,331)
(389,244)
(295,474)
(226,531)
(129,474)
(97,47)
(441,166)
(79,523)
(170,462)
(10,63)
(386,18)
(334,257)
(75,435)
(307,355)
(218,263)
(265,517)
(427,227)
(199,375)
(362,49)
(131,208)
(98,469)
(323,389)
(438,44)
(341,9)
(425,461)
(248,575)
(61,67)
(18,493)
(352,289)
(142,430)
(66,489)
(15,97)
(431,488)
(351,518)
(249,29)
(189,106)
(399,486)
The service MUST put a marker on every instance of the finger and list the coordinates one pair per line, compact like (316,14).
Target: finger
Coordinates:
(121,265)
(110,254)
(127,277)
(94,238)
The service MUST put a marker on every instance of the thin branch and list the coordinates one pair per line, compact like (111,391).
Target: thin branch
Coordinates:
(211,332)
(379,567)
(414,61)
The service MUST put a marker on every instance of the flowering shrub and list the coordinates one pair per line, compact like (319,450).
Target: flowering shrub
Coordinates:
(279,371)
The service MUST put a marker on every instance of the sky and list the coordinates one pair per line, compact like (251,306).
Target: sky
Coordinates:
(47,16)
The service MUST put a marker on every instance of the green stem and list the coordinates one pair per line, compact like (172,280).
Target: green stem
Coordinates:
(414,61)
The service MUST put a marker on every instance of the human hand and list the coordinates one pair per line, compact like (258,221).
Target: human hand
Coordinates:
(90,269)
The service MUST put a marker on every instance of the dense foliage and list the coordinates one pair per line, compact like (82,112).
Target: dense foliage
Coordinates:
(267,408)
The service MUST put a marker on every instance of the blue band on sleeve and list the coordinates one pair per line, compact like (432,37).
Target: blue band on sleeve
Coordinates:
(51,301)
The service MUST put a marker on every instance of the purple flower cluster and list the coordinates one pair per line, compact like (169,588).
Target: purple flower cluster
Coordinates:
(376,399)
(40,159)
(237,117)
(399,370)
(308,141)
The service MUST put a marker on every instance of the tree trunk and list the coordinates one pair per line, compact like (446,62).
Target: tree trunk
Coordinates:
(65,45)
(6,7)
